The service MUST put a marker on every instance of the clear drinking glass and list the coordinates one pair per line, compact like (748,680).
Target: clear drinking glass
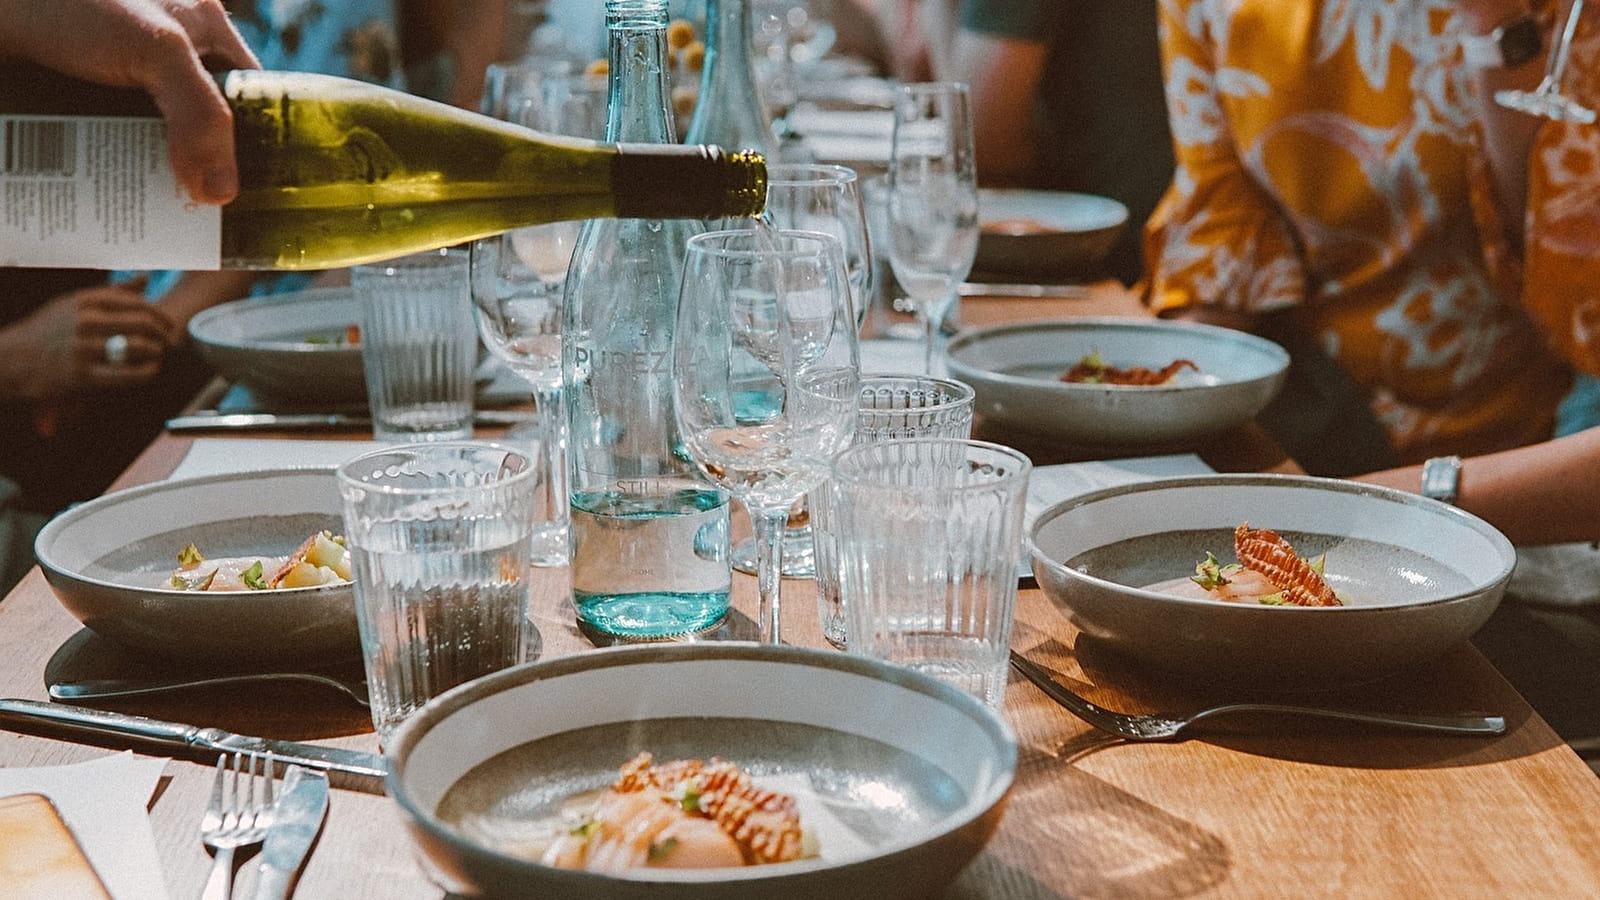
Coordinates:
(1547,100)
(419,348)
(929,531)
(824,198)
(892,407)
(766,369)
(518,281)
(438,538)
(932,200)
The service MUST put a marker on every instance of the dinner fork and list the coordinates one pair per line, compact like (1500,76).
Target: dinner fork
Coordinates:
(1168,727)
(237,816)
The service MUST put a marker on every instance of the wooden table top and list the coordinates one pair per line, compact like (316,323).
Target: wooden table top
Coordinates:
(1288,812)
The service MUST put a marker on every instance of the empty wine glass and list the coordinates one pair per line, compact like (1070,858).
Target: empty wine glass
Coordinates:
(1547,100)
(932,201)
(517,290)
(825,198)
(766,370)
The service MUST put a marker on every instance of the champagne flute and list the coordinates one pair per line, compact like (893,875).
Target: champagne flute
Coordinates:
(766,368)
(933,201)
(517,294)
(1547,100)
(825,198)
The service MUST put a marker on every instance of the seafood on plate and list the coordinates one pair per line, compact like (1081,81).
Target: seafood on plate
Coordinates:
(687,813)
(320,559)
(1093,369)
(1268,572)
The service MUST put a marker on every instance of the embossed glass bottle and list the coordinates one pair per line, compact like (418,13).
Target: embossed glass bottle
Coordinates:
(730,111)
(649,537)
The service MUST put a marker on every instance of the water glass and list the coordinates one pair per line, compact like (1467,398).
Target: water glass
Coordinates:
(419,346)
(438,539)
(929,532)
(892,407)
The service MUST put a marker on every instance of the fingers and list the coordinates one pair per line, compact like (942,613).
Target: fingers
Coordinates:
(199,127)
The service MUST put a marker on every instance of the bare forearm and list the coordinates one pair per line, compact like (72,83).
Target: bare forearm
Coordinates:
(1540,494)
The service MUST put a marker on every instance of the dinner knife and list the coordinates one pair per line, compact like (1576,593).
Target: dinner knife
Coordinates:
(296,818)
(1034,291)
(313,421)
(176,734)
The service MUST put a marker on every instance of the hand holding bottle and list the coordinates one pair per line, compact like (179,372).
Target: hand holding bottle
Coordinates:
(156,45)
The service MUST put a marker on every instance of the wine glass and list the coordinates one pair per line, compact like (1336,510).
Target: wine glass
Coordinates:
(766,367)
(517,289)
(825,198)
(1547,100)
(932,200)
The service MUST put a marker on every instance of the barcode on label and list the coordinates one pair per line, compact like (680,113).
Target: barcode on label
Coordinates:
(40,148)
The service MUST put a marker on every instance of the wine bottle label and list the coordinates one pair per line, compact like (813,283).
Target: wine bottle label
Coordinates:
(98,193)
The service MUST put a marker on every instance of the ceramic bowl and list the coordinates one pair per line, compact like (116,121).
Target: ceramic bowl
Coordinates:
(903,777)
(1418,576)
(288,347)
(1016,372)
(109,560)
(1045,234)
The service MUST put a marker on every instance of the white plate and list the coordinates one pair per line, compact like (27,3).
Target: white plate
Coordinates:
(1418,576)
(1078,231)
(107,561)
(286,347)
(910,772)
(1016,372)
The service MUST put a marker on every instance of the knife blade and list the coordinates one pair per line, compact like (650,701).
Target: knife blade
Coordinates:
(296,818)
(314,421)
(1035,291)
(177,734)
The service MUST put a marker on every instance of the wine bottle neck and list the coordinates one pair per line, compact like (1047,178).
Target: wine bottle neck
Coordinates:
(638,95)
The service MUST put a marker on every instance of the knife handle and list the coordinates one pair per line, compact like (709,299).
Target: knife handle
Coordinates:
(99,721)
(272,883)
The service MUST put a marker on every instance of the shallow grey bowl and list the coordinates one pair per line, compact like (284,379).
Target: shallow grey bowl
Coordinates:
(1418,576)
(1075,232)
(1016,372)
(286,347)
(108,560)
(916,771)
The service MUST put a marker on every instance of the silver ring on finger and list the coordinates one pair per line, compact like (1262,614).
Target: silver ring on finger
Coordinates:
(116,349)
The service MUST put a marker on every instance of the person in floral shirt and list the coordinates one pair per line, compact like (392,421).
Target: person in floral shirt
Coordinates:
(1332,177)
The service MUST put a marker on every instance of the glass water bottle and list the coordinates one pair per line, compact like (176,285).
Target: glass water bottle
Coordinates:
(649,537)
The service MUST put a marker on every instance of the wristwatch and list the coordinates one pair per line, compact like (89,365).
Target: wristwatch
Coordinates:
(1441,478)
(1507,47)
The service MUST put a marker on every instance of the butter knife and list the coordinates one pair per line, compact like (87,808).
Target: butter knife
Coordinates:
(314,421)
(175,734)
(296,818)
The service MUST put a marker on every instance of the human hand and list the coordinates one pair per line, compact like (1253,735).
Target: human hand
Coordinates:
(60,349)
(157,45)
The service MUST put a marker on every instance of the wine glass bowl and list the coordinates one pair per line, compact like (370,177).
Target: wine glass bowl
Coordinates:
(766,373)
(932,200)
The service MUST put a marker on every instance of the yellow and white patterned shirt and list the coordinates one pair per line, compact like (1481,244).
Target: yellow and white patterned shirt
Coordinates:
(1327,162)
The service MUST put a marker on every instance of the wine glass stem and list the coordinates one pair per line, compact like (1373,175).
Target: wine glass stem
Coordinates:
(930,339)
(553,457)
(769,526)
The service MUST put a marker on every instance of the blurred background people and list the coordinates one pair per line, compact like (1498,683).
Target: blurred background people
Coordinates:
(1331,193)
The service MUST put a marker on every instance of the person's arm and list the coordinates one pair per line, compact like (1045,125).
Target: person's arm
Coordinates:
(469,32)
(161,46)
(1543,493)
(197,291)
(1216,246)
(1003,73)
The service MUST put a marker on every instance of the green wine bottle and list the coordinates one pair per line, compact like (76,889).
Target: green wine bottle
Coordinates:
(333,172)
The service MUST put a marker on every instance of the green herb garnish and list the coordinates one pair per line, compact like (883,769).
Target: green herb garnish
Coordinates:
(252,577)
(1211,574)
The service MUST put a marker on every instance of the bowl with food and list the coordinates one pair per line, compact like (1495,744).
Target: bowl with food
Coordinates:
(1117,382)
(1282,581)
(709,771)
(239,567)
(1045,234)
(302,347)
